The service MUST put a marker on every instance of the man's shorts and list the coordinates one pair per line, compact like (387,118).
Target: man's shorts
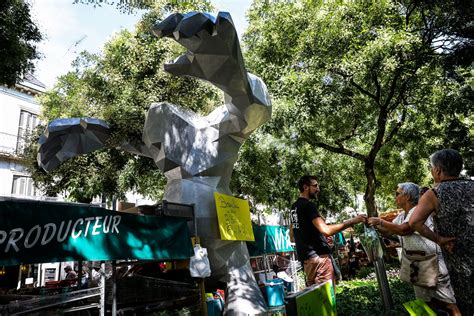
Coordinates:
(318,270)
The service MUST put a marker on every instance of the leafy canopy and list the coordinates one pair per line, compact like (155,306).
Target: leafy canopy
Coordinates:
(18,39)
(360,80)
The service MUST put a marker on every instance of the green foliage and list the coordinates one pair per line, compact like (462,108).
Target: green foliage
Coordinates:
(359,297)
(364,272)
(118,86)
(361,80)
(269,168)
(163,6)
(449,25)
(18,37)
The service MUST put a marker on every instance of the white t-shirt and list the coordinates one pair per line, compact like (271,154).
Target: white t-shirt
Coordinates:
(415,241)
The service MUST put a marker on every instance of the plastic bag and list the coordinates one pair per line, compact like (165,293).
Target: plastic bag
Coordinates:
(371,243)
(199,265)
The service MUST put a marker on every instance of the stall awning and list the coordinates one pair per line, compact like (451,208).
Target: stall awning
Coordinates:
(38,231)
(269,239)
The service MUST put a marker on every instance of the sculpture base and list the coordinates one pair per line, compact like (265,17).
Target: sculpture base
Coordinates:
(230,263)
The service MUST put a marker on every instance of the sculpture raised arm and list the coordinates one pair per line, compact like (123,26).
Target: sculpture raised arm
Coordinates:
(66,138)
(214,55)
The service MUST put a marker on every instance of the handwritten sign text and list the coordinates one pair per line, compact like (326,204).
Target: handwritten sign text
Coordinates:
(233,215)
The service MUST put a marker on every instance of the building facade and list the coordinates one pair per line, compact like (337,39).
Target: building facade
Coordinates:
(19,116)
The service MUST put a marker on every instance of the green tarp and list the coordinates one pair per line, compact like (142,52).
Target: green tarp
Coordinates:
(269,239)
(35,232)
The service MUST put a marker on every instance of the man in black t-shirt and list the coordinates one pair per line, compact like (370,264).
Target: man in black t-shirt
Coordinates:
(310,232)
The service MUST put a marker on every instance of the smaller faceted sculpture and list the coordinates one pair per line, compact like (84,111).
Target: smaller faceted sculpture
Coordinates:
(197,154)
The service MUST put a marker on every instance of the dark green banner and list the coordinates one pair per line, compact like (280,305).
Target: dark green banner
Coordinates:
(37,231)
(269,239)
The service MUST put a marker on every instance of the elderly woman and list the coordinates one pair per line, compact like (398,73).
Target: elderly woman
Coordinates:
(452,204)
(406,197)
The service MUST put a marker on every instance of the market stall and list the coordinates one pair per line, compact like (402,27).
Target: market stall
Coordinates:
(273,261)
(39,232)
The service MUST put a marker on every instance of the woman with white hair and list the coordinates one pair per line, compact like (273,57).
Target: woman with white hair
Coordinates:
(406,197)
(451,202)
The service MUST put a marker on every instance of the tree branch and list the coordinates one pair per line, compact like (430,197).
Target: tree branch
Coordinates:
(339,150)
(367,93)
(378,143)
(393,86)
(358,87)
(400,97)
(377,86)
(384,112)
(396,128)
(408,15)
(352,134)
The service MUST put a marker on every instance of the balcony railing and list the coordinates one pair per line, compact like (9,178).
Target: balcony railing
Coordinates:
(11,145)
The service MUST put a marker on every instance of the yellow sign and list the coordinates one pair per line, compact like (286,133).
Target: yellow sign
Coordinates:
(418,308)
(318,300)
(233,215)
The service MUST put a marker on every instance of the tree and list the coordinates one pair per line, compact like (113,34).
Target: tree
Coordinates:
(118,86)
(268,170)
(18,36)
(355,79)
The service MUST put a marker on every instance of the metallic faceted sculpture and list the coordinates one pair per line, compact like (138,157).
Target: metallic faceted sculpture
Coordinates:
(69,137)
(197,154)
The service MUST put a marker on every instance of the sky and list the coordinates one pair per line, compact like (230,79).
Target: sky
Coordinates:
(71,28)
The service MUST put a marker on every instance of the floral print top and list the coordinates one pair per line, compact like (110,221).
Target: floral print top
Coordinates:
(455,217)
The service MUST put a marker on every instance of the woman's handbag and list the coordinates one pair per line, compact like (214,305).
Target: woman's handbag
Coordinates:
(420,270)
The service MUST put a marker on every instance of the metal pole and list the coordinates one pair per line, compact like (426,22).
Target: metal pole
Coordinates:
(384,288)
(60,269)
(18,285)
(265,255)
(294,272)
(40,275)
(202,286)
(79,274)
(102,288)
(202,289)
(195,222)
(114,287)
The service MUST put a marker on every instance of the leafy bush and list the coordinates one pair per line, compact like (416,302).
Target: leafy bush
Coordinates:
(364,272)
(362,297)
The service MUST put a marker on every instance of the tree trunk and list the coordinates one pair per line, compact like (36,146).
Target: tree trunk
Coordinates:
(369,196)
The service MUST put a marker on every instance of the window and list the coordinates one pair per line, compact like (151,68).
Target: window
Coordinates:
(23,185)
(28,121)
